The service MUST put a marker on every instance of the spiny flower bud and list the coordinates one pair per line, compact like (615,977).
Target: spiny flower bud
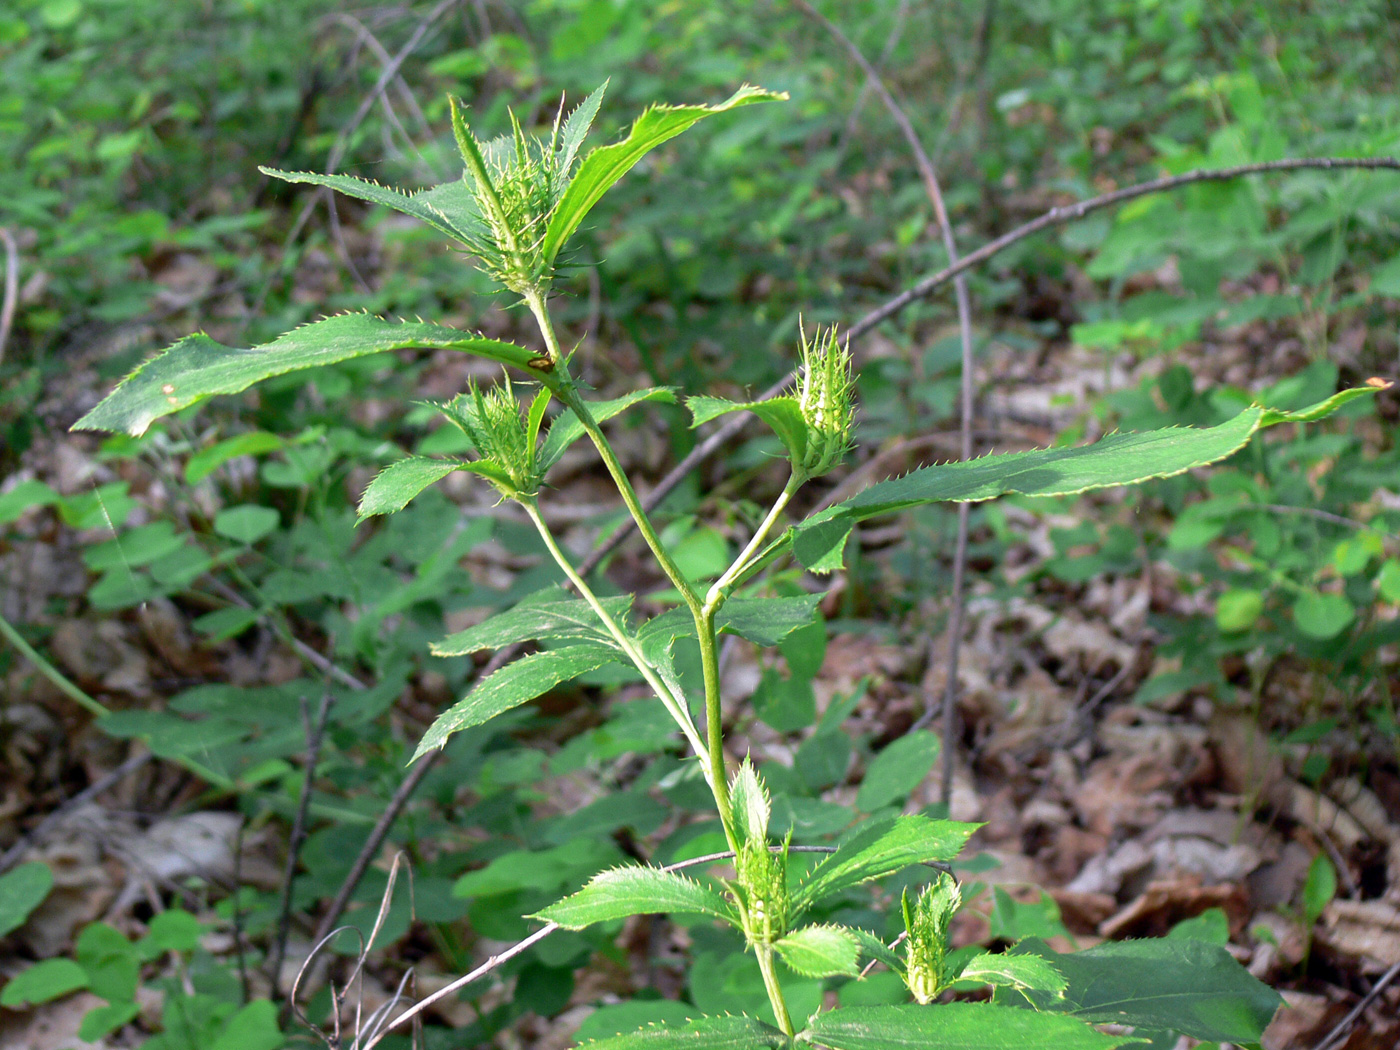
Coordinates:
(927,947)
(763,892)
(824,394)
(493,421)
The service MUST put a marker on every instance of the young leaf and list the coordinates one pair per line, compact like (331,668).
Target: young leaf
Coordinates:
(197,367)
(749,802)
(449,208)
(874,948)
(879,849)
(544,615)
(566,428)
(513,685)
(782,414)
(21,891)
(704,1033)
(42,982)
(1014,971)
(1119,459)
(576,129)
(605,165)
(636,890)
(821,951)
(954,1026)
(398,483)
(1184,985)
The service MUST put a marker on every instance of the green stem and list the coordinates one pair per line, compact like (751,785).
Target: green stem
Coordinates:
(770,984)
(71,689)
(674,705)
(714,723)
(719,590)
(52,673)
(564,390)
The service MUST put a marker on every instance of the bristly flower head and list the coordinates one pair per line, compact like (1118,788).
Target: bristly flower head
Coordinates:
(763,891)
(517,181)
(927,925)
(825,394)
(492,420)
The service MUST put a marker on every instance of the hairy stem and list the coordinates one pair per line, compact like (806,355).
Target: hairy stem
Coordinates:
(714,723)
(675,706)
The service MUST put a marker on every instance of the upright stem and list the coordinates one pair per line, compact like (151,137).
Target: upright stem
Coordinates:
(714,723)
(566,393)
(764,952)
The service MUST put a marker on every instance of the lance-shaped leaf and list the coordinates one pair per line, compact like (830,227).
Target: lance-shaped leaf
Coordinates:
(545,615)
(575,129)
(763,621)
(748,801)
(954,1026)
(198,367)
(782,414)
(1029,972)
(821,951)
(566,428)
(636,890)
(874,948)
(704,1033)
(449,208)
(398,483)
(879,849)
(514,684)
(605,165)
(1186,986)
(1119,459)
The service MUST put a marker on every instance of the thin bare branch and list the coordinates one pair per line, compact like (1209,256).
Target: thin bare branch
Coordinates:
(1343,1027)
(935,196)
(314,732)
(11,300)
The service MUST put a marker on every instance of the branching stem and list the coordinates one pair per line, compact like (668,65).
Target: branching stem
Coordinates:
(675,706)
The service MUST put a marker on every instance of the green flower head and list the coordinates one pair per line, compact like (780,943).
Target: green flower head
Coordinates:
(825,396)
(927,925)
(492,420)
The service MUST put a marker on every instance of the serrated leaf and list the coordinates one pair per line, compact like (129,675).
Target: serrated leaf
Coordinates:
(954,1026)
(821,951)
(514,684)
(782,414)
(636,890)
(881,848)
(575,129)
(763,621)
(398,483)
(704,1033)
(1118,459)
(605,165)
(534,619)
(198,367)
(767,621)
(566,428)
(1183,985)
(749,803)
(1014,971)
(449,208)
(874,948)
